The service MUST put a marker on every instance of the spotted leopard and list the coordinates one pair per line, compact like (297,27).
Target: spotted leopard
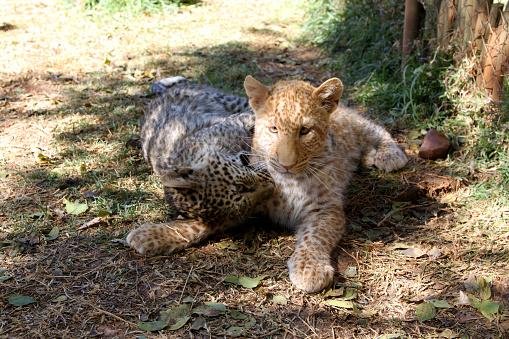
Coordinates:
(197,141)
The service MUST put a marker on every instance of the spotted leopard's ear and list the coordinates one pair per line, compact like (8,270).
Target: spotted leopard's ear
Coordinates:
(328,94)
(256,91)
(177,177)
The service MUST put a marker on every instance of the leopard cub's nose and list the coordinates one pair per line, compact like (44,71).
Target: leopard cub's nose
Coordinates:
(284,168)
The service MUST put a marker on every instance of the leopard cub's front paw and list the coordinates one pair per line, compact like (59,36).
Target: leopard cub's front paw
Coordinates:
(389,157)
(310,275)
(146,239)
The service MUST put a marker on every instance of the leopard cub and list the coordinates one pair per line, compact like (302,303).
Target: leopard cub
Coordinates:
(311,146)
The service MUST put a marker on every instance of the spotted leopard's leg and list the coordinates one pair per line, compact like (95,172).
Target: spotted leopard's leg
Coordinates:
(168,237)
(310,264)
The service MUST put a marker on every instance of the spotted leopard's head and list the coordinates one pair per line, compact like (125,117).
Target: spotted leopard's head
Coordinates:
(216,187)
(292,121)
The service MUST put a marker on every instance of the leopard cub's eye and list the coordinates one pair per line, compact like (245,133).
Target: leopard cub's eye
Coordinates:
(304,130)
(272,129)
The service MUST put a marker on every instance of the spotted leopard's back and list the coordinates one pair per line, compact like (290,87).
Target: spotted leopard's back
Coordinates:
(182,109)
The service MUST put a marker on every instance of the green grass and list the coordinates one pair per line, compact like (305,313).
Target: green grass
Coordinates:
(429,91)
(224,66)
(133,6)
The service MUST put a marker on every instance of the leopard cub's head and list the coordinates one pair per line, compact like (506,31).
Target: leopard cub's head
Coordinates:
(217,187)
(292,119)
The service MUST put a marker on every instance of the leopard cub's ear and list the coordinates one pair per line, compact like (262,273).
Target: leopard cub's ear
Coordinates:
(256,92)
(328,94)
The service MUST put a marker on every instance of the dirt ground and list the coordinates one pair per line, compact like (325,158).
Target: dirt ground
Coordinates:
(72,90)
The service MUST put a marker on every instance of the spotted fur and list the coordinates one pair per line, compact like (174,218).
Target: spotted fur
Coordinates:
(311,146)
(197,140)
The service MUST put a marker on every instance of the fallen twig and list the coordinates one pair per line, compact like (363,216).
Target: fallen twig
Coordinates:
(94,222)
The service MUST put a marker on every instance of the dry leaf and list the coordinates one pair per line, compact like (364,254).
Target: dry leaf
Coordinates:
(505,325)
(244,281)
(279,299)
(440,303)
(172,318)
(339,303)
(75,208)
(20,300)
(199,323)
(463,299)
(53,234)
(413,252)
(425,311)
(334,293)
(488,308)
(448,334)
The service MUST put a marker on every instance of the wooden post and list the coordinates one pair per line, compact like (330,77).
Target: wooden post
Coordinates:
(466,21)
(413,14)
(478,27)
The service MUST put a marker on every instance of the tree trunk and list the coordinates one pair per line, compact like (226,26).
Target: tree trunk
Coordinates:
(482,23)
(445,23)
(495,61)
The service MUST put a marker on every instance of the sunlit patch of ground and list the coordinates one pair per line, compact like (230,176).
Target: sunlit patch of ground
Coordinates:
(73,87)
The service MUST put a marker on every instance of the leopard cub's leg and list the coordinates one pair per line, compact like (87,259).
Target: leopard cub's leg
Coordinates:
(168,237)
(310,267)
(379,148)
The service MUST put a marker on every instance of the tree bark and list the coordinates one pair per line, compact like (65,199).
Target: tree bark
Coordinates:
(445,23)
(495,61)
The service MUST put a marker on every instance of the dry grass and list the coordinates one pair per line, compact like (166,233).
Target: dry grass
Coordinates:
(72,89)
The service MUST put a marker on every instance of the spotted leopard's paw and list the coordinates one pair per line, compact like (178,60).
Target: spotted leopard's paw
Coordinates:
(148,239)
(387,157)
(310,274)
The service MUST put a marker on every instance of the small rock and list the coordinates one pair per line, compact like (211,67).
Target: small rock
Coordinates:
(463,299)
(434,253)
(90,194)
(413,252)
(7,27)
(434,146)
